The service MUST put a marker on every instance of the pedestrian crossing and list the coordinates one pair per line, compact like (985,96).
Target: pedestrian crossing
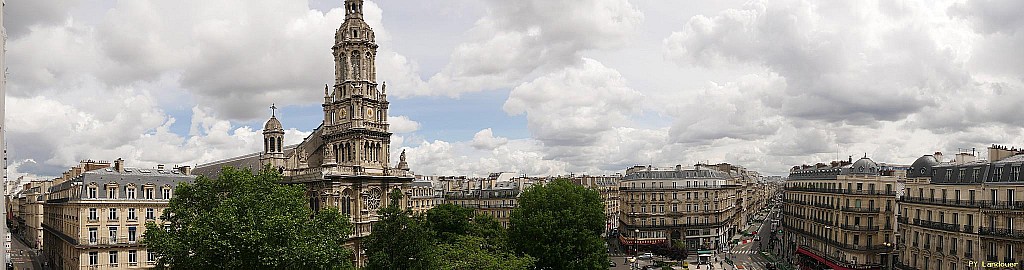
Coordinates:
(742,252)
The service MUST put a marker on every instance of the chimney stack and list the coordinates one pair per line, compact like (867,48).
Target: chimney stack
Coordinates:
(119,165)
(186,170)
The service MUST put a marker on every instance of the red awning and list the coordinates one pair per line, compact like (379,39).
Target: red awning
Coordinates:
(823,260)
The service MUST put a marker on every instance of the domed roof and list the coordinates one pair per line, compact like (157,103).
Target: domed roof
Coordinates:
(925,161)
(272,124)
(922,166)
(864,165)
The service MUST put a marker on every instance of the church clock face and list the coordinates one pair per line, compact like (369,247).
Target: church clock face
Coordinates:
(372,199)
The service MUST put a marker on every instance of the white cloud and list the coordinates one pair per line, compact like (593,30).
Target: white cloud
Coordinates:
(573,105)
(485,140)
(402,124)
(517,38)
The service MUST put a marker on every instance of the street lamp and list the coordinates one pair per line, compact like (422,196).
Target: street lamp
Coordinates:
(636,247)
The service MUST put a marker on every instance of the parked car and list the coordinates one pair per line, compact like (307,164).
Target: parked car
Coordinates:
(646,256)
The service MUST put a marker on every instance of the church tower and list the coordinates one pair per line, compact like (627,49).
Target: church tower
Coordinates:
(355,111)
(273,142)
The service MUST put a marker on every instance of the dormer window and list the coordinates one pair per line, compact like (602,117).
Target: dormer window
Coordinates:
(129,191)
(111,192)
(93,191)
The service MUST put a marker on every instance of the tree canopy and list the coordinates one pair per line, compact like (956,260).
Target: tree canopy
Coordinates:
(398,240)
(448,236)
(560,224)
(243,220)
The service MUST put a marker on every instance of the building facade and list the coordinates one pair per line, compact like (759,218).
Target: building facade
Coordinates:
(344,163)
(31,217)
(608,186)
(963,213)
(693,206)
(95,219)
(840,215)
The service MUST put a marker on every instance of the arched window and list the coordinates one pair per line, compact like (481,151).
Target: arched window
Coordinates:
(355,65)
(271,148)
(280,143)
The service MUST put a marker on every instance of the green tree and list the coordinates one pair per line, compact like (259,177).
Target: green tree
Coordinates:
(398,240)
(560,224)
(474,252)
(247,221)
(466,240)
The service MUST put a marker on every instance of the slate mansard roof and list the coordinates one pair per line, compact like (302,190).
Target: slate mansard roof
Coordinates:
(101,178)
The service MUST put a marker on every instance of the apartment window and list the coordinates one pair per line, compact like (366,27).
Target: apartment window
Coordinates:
(149,193)
(977,175)
(150,257)
(995,195)
(167,193)
(113,214)
(962,174)
(131,234)
(113,258)
(133,258)
(1009,253)
(150,214)
(111,192)
(997,175)
(92,214)
(956,194)
(1009,195)
(968,248)
(94,258)
(970,220)
(131,214)
(952,245)
(113,234)
(92,192)
(129,192)
(970,196)
(93,234)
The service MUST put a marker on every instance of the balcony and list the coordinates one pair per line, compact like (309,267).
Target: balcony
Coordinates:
(992,258)
(999,232)
(938,225)
(968,255)
(941,202)
(969,229)
(1002,205)
(859,228)
(843,191)
(861,209)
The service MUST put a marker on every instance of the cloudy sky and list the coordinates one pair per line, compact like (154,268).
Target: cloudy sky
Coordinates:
(533,86)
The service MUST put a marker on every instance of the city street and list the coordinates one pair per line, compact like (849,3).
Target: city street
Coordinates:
(746,254)
(22,255)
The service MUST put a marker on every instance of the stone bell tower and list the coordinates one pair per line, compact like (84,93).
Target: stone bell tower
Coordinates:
(355,133)
(273,142)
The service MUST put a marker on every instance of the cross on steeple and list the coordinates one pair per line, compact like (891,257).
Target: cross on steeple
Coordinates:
(273,110)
